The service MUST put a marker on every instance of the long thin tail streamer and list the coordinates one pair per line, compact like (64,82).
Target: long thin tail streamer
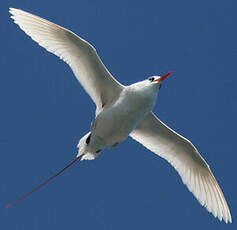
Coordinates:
(44,183)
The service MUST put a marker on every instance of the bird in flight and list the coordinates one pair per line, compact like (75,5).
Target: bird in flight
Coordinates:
(123,111)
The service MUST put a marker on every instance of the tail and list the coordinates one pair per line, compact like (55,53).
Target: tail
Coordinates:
(43,184)
(83,148)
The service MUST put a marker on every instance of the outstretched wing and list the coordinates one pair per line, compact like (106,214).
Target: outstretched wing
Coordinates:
(185,158)
(79,54)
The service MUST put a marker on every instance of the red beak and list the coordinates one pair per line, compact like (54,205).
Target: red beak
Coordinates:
(163,77)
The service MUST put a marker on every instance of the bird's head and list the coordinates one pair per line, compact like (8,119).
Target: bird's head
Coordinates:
(156,81)
(151,85)
(148,89)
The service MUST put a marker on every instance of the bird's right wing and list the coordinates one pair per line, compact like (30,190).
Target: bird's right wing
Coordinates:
(79,54)
(185,158)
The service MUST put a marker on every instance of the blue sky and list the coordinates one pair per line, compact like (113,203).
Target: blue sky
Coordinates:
(45,111)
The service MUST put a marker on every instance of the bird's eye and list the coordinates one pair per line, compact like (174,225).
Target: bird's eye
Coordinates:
(151,79)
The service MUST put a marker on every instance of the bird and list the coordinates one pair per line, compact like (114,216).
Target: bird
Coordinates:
(123,111)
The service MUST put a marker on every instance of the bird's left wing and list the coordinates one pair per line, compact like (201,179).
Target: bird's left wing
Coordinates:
(76,52)
(185,158)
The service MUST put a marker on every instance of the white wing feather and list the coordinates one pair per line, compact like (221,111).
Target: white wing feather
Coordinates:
(185,158)
(79,54)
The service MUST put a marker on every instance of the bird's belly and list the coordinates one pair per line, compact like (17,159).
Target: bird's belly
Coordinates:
(114,124)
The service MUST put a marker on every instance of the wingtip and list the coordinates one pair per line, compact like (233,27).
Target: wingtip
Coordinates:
(227,219)
(11,9)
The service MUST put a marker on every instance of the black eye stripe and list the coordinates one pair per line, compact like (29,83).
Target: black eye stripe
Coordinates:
(151,78)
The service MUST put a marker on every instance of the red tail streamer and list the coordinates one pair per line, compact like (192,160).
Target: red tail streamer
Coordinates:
(44,183)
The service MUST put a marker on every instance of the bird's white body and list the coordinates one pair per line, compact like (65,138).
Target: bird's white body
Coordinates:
(123,111)
(114,124)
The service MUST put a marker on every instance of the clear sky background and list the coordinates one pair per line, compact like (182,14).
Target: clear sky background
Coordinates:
(45,111)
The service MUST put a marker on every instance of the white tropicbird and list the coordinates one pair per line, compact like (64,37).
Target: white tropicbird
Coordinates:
(123,111)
